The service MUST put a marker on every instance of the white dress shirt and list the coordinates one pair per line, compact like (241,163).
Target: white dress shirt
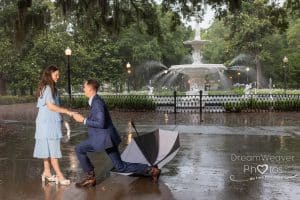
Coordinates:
(90,103)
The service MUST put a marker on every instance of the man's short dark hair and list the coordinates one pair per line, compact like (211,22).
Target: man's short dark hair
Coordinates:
(94,83)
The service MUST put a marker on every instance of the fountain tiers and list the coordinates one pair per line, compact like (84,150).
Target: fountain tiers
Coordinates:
(197,71)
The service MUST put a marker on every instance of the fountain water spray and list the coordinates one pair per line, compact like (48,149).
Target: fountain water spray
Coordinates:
(197,71)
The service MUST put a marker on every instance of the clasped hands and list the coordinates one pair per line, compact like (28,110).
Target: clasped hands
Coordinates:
(76,116)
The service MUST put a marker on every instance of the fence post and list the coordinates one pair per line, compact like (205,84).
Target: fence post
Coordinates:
(200,106)
(200,101)
(175,110)
(251,103)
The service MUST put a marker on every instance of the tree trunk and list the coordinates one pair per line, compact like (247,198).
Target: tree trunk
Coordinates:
(2,86)
(258,73)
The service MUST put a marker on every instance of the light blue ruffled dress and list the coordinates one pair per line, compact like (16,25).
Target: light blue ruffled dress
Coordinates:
(48,128)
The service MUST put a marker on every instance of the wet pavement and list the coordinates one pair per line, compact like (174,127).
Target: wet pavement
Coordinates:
(227,156)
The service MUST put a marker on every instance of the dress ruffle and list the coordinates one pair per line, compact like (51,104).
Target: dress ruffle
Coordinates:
(47,148)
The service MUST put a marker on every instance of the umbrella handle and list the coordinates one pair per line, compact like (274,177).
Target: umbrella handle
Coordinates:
(133,125)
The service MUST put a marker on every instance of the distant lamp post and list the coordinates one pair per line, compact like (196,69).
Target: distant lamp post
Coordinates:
(128,66)
(68,53)
(285,63)
(238,74)
(247,70)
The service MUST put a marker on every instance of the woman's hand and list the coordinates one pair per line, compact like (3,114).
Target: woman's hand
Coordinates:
(71,113)
(78,118)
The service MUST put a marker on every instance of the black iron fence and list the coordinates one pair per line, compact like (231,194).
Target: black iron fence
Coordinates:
(202,103)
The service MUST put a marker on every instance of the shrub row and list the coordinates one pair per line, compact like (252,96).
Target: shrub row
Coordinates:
(75,103)
(240,91)
(137,103)
(253,105)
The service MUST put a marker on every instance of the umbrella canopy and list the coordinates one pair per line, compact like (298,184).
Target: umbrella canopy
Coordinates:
(155,148)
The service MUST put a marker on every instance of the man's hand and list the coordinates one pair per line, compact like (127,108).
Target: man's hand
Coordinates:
(78,117)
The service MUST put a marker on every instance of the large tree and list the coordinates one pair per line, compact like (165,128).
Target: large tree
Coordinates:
(249,28)
(150,54)
(292,51)
(273,47)
(20,22)
(7,61)
(104,35)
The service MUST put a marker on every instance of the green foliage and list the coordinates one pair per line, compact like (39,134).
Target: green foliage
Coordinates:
(105,35)
(7,62)
(22,19)
(112,16)
(144,47)
(249,29)
(124,102)
(238,90)
(263,40)
(75,103)
(136,103)
(293,8)
(217,50)
(97,52)
(292,51)
(253,105)
(233,91)
(274,91)
(168,93)
(290,105)
(220,92)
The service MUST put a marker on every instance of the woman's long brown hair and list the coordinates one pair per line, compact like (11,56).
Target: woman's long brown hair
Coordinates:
(46,79)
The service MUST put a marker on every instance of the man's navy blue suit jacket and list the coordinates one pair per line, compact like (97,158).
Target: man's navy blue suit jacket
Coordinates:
(101,131)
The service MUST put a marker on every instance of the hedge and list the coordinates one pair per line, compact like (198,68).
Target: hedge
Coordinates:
(137,103)
(253,105)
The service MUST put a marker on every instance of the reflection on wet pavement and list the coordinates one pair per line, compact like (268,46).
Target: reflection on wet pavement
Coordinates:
(206,162)
(27,113)
(229,156)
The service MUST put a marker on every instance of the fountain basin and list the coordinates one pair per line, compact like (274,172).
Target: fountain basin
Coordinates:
(197,73)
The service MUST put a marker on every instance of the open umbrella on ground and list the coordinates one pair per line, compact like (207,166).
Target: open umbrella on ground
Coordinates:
(157,147)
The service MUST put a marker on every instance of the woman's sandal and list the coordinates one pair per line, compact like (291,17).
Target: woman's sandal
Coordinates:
(51,178)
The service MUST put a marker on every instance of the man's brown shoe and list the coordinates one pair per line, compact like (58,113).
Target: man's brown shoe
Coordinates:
(155,173)
(89,181)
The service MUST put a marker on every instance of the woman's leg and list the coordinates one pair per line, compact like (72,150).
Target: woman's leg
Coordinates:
(47,171)
(55,165)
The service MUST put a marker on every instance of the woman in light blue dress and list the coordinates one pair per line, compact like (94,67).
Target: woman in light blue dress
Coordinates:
(48,126)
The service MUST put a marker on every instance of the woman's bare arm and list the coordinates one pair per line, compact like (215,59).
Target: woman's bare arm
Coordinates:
(59,109)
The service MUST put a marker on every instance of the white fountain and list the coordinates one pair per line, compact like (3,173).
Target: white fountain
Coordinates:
(197,71)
